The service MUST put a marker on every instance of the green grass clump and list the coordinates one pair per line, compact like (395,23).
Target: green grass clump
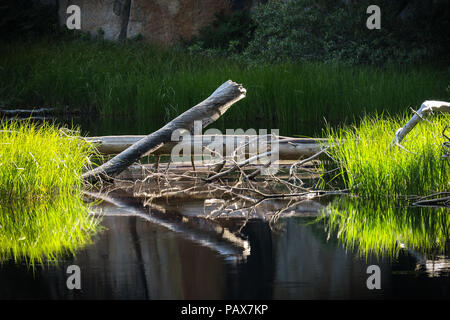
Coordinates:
(371,167)
(383,229)
(40,161)
(42,214)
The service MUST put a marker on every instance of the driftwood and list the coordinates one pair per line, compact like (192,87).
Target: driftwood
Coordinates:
(207,111)
(289,148)
(27,112)
(425,109)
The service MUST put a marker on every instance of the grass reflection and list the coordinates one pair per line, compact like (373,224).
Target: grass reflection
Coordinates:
(44,230)
(384,229)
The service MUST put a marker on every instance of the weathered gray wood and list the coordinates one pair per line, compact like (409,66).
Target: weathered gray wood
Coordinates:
(238,165)
(206,111)
(426,108)
(27,112)
(289,148)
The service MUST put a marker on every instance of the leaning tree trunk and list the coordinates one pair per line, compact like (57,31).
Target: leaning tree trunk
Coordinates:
(206,111)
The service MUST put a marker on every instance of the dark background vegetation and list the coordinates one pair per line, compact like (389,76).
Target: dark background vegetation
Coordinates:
(27,19)
(301,61)
(324,30)
(296,30)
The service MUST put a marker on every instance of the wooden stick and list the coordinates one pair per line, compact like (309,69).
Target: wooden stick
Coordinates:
(26,112)
(426,108)
(207,111)
(237,166)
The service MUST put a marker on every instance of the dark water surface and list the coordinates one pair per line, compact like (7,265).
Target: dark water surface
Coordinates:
(135,259)
(154,253)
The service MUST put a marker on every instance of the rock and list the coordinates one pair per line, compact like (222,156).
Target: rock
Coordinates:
(162,21)
(167,21)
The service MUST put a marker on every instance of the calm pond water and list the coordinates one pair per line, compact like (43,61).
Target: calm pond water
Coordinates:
(144,254)
(153,252)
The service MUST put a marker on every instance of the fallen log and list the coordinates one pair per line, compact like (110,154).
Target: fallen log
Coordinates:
(289,148)
(206,111)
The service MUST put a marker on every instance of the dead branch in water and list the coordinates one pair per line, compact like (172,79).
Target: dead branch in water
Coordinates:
(27,112)
(226,177)
(239,193)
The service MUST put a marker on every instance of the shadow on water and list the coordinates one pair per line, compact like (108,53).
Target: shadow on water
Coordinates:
(164,252)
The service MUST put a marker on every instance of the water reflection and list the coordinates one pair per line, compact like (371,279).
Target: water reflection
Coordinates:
(386,229)
(153,253)
(43,229)
(219,237)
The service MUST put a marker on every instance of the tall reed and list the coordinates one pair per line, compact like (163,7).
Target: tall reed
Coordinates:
(146,80)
